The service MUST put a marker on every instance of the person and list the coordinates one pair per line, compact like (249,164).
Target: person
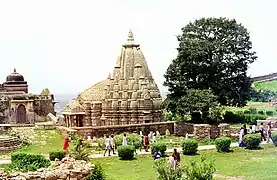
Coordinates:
(153,138)
(146,143)
(112,143)
(177,159)
(107,145)
(251,130)
(66,146)
(241,136)
(245,129)
(269,137)
(156,155)
(124,141)
(141,142)
(262,132)
(134,146)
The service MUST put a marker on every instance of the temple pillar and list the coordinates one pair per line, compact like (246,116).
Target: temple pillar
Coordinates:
(88,115)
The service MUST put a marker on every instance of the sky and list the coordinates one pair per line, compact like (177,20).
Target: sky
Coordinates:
(67,46)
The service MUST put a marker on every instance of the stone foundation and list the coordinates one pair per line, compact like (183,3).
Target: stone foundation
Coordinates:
(8,144)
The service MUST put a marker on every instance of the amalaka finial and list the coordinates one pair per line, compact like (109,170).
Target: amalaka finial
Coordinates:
(14,70)
(130,36)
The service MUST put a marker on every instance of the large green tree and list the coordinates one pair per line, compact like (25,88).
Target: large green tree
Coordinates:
(213,53)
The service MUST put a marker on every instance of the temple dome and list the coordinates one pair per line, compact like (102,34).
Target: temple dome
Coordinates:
(15,77)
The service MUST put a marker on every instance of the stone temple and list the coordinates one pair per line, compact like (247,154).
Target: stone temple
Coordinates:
(128,96)
(17,106)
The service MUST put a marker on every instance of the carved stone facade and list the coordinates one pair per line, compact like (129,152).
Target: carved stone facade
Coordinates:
(19,107)
(128,96)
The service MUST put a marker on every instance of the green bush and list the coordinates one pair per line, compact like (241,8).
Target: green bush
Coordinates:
(97,173)
(247,111)
(252,141)
(24,162)
(126,152)
(269,113)
(223,144)
(253,110)
(165,172)
(101,143)
(130,138)
(56,154)
(261,112)
(202,170)
(159,147)
(274,138)
(190,147)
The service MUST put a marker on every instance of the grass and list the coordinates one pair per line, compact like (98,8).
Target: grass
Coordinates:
(269,85)
(247,164)
(45,141)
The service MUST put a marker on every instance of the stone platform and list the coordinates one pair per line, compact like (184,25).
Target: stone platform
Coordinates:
(9,143)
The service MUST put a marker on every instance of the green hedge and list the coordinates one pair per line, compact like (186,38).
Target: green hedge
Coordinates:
(274,138)
(223,144)
(252,141)
(190,147)
(24,162)
(243,117)
(126,152)
(56,154)
(159,147)
(97,173)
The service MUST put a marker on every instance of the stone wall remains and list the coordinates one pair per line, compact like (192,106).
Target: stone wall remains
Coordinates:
(100,131)
(42,107)
(182,128)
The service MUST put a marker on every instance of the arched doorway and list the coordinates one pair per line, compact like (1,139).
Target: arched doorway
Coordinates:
(21,114)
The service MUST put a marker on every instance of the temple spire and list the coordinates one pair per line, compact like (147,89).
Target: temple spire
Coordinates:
(130,36)
(14,70)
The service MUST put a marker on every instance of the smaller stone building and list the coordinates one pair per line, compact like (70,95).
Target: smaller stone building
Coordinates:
(17,106)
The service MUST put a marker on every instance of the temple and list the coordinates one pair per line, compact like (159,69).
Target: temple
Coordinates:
(17,106)
(128,96)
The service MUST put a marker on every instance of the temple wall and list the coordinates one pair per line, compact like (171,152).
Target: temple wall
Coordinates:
(42,107)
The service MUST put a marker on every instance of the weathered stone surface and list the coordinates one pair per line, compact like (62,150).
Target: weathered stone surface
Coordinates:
(62,170)
(128,96)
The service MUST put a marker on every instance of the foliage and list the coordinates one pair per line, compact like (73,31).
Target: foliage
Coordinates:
(223,144)
(201,171)
(24,162)
(166,172)
(190,147)
(252,141)
(97,173)
(56,155)
(79,152)
(274,138)
(126,152)
(242,117)
(269,113)
(159,147)
(213,53)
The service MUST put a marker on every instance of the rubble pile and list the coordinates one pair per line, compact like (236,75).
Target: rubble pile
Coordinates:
(67,168)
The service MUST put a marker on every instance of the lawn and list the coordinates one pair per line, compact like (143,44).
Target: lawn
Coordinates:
(44,141)
(241,164)
(269,85)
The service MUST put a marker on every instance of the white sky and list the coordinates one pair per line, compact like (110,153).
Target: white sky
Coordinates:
(68,46)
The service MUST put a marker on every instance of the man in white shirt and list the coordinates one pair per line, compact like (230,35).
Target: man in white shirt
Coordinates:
(107,145)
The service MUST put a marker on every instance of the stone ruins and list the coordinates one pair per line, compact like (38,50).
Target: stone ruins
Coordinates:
(128,96)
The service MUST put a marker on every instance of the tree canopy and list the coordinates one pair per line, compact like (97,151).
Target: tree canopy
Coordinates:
(213,53)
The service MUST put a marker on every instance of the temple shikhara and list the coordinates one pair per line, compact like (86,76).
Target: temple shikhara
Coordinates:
(17,106)
(128,96)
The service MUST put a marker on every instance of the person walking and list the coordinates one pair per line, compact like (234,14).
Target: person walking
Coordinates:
(124,140)
(146,143)
(262,132)
(177,159)
(112,143)
(269,133)
(141,142)
(66,146)
(153,138)
(107,145)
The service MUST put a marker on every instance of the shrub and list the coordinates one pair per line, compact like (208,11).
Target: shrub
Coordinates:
(247,111)
(203,170)
(126,152)
(56,154)
(97,173)
(24,162)
(223,144)
(261,112)
(253,110)
(159,147)
(79,152)
(165,172)
(130,139)
(252,141)
(274,138)
(269,113)
(101,143)
(190,147)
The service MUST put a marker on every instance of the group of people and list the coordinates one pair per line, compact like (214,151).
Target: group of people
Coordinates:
(265,133)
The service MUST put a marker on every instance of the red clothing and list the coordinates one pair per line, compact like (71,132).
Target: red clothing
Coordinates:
(66,144)
(146,140)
